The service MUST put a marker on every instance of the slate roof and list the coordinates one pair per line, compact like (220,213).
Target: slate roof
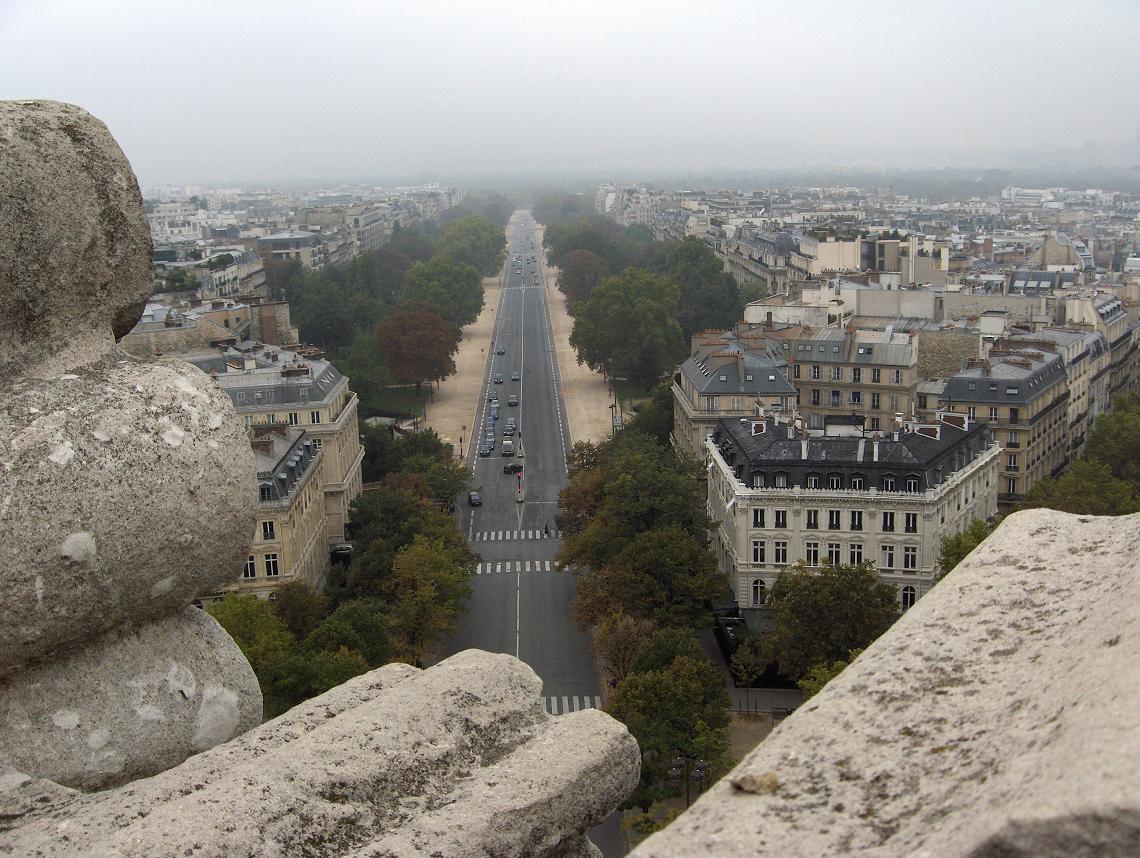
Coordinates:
(1004,382)
(767,377)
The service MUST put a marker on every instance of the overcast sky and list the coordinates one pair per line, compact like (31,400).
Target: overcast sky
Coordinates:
(205,91)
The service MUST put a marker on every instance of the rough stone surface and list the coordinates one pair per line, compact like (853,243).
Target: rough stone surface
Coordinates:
(75,245)
(127,489)
(131,704)
(459,759)
(998,717)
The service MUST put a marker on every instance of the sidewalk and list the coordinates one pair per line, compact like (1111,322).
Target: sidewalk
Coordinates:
(453,404)
(587,395)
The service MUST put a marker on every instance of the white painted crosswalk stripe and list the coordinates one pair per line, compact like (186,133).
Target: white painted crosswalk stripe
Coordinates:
(501,567)
(567,704)
(506,535)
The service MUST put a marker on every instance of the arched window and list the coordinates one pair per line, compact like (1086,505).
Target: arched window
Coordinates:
(273,596)
(909,594)
(759,591)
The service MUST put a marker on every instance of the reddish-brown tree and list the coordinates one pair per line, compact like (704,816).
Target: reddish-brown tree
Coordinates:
(418,346)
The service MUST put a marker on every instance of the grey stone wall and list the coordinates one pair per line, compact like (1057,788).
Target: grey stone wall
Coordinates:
(998,717)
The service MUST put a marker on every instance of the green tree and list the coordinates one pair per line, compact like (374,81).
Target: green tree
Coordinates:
(378,455)
(819,675)
(655,414)
(627,327)
(1115,439)
(425,594)
(363,363)
(708,297)
(444,480)
(750,661)
(450,289)
(418,346)
(300,607)
(822,614)
(357,625)
(474,241)
(258,631)
(955,548)
(580,274)
(302,676)
(619,639)
(752,291)
(1088,487)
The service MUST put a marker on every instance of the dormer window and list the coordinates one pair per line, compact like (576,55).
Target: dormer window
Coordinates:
(781,480)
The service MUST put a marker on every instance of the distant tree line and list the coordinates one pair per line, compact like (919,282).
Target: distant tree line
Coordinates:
(636,302)
(403,591)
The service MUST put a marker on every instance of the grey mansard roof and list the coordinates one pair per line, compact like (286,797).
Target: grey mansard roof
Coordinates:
(767,377)
(1002,382)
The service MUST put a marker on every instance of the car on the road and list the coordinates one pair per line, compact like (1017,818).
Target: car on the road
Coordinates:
(498,378)
(485,451)
(509,430)
(494,400)
(512,468)
(474,498)
(515,376)
(489,441)
(500,351)
(513,399)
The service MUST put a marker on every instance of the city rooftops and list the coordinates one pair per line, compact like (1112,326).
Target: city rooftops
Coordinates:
(837,345)
(283,455)
(1017,376)
(257,376)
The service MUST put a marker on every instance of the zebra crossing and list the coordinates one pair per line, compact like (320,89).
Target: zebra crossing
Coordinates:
(500,567)
(562,705)
(505,535)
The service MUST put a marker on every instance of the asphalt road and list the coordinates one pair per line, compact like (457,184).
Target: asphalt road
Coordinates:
(520,603)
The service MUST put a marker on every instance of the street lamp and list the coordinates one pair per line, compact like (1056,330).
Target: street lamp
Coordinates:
(681,765)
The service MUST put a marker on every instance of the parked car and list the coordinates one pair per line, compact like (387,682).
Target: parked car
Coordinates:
(489,441)
(512,399)
(485,451)
(474,498)
(512,468)
(515,376)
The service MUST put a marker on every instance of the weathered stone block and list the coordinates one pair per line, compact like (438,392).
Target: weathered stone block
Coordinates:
(75,245)
(132,703)
(127,489)
(459,759)
(996,718)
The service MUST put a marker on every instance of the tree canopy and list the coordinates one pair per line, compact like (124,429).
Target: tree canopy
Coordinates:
(580,274)
(708,298)
(627,328)
(453,290)
(474,241)
(418,346)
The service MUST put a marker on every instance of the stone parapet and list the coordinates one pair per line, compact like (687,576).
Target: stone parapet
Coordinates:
(997,717)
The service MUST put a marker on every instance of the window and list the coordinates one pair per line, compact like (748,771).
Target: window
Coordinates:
(898,376)
(318,443)
(758,518)
(876,376)
(796,371)
(811,553)
(875,401)
(835,481)
(837,373)
(858,482)
(758,591)
(813,481)
(250,570)
(912,484)
(910,557)
(908,597)
(855,553)
(993,414)
(757,481)
(856,397)
(888,522)
(833,519)
(758,552)
(887,557)
(268,531)
(781,553)
(294,418)
(833,549)
(972,413)
(893,402)
(781,519)
(1011,462)
(314,417)
(816,373)
(815,397)
(874,424)
(835,399)
(271,566)
(910,522)
(711,403)
(1014,414)
(888,484)
(781,481)
(812,519)
(265,493)
(735,402)
(856,519)
(856,374)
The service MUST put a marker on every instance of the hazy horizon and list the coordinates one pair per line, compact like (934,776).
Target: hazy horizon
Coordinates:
(284,92)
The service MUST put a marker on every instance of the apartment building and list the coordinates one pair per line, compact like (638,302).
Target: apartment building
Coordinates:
(779,495)
(289,537)
(836,371)
(726,375)
(271,385)
(1022,394)
(308,248)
